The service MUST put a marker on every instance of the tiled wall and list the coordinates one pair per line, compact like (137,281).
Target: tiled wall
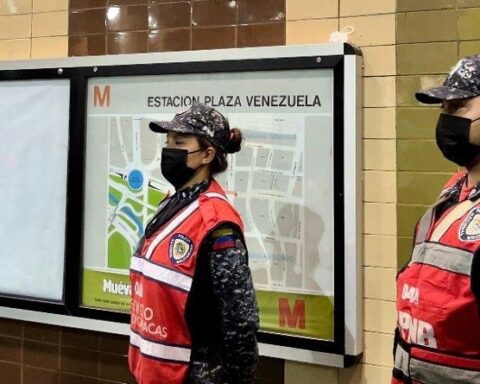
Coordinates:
(404,50)
(131,26)
(38,354)
(33,29)
(312,21)
(41,354)
(424,56)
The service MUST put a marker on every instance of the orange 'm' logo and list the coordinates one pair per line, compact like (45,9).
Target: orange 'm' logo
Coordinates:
(100,98)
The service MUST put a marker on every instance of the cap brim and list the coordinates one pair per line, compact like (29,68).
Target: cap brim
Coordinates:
(438,94)
(168,126)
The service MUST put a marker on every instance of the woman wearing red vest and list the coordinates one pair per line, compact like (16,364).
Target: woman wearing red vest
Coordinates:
(194,315)
(437,340)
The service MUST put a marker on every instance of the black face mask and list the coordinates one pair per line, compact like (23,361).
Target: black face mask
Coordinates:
(453,139)
(174,166)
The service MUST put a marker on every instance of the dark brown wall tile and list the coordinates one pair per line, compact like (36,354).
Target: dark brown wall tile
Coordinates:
(80,338)
(127,42)
(39,376)
(169,40)
(271,370)
(133,18)
(114,344)
(84,4)
(42,332)
(85,22)
(86,45)
(10,373)
(115,367)
(254,11)
(11,327)
(127,2)
(79,361)
(40,354)
(209,13)
(261,35)
(211,38)
(10,349)
(66,378)
(169,15)
(165,1)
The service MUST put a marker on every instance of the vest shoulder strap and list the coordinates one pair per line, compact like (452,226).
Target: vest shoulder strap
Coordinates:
(215,207)
(456,213)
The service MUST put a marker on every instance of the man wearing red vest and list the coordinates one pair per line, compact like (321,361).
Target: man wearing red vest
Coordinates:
(437,340)
(194,315)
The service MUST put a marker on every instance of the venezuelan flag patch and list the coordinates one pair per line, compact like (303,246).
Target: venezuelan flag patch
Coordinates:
(223,238)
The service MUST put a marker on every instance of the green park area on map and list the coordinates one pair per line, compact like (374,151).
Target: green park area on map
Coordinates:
(129,217)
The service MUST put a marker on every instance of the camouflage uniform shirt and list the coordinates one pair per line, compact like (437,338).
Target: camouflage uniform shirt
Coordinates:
(221,311)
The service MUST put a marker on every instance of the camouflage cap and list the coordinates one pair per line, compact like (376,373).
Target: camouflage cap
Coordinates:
(199,120)
(461,83)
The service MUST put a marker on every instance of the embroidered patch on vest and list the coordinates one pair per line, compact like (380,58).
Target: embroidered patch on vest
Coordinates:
(180,249)
(470,228)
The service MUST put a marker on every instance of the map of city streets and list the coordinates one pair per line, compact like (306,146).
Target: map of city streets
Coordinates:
(280,183)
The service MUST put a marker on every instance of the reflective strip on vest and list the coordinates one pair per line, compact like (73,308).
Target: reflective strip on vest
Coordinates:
(161,274)
(402,360)
(456,213)
(217,196)
(179,220)
(171,227)
(443,257)
(160,351)
(424,225)
(432,373)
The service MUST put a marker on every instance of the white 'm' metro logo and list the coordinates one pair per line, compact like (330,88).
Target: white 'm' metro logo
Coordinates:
(410,294)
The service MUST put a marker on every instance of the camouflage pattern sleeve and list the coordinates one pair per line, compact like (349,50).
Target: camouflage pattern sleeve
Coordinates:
(235,296)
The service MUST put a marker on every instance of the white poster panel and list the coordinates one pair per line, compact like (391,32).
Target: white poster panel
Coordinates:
(281,182)
(33,180)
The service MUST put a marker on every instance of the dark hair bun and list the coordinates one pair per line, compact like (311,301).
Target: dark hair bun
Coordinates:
(235,142)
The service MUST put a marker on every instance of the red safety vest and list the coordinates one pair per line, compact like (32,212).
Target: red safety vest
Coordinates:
(161,275)
(438,327)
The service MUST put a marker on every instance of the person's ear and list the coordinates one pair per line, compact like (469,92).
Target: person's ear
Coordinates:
(208,155)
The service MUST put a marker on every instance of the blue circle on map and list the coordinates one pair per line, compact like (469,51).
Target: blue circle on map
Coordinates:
(135,180)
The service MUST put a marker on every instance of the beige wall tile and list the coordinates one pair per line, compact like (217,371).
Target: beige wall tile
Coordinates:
(370,7)
(380,283)
(379,61)
(415,27)
(311,9)
(371,30)
(426,58)
(379,219)
(407,86)
(380,316)
(15,27)
(380,187)
(467,48)
(379,91)
(50,5)
(378,349)
(379,155)
(296,372)
(380,251)
(379,123)
(49,47)
(366,374)
(9,7)
(310,31)
(50,24)
(15,49)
